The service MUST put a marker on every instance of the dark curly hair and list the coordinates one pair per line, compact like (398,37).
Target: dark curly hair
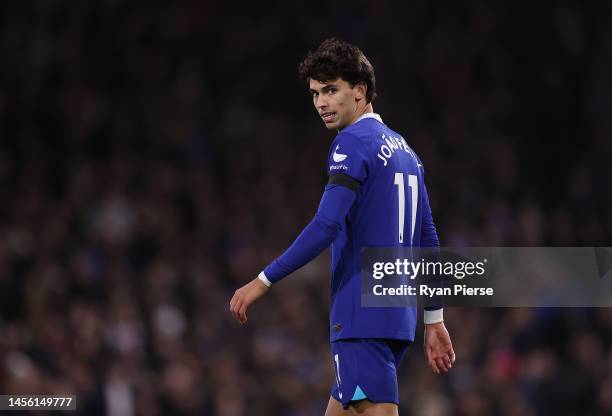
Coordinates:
(335,58)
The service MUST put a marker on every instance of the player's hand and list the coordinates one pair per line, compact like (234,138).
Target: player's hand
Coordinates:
(438,348)
(244,296)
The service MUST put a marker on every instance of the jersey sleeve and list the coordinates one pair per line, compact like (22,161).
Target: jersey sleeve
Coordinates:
(317,236)
(347,156)
(429,238)
(429,235)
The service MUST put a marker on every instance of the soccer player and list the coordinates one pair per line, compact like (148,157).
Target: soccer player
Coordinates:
(375,197)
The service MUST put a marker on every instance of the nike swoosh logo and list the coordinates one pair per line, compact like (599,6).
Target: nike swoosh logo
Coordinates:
(338,157)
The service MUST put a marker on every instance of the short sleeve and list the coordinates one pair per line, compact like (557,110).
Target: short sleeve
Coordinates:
(346,156)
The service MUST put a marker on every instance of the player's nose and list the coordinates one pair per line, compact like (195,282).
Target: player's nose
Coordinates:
(321,105)
(320,102)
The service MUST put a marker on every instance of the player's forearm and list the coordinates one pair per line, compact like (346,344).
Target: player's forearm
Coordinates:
(316,237)
(433,312)
(431,251)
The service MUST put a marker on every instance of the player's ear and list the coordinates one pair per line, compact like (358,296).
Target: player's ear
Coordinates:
(360,91)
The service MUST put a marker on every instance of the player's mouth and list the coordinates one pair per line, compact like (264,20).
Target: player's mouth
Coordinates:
(328,117)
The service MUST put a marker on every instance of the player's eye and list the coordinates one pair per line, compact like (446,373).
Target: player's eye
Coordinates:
(314,94)
(332,90)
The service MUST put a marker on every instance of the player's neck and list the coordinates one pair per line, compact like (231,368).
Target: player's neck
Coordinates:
(360,112)
(368,109)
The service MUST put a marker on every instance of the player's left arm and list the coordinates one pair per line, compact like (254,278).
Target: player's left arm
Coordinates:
(338,198)
(347,169)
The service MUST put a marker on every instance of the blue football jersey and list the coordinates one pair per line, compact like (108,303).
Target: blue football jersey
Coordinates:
(391,210)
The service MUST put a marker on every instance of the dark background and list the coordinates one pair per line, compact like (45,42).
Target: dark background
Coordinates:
(156,156)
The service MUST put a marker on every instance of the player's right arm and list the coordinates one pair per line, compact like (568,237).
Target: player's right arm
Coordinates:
(437,343)
(433,312)
(438,348)
(429,234)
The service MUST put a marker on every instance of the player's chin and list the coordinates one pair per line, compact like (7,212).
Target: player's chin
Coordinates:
(332,125)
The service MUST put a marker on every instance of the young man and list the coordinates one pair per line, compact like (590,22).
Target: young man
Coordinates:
(365,203)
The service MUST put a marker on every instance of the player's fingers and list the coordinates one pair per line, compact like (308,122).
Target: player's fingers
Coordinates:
(452,356)
(231,305)
(429,354)
(447,362)
(238,302)
(235,310)
(432,357)
(441,365)
(234,298)
(434,367)
(242,312)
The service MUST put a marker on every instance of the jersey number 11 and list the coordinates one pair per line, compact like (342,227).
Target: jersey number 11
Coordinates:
(413,184)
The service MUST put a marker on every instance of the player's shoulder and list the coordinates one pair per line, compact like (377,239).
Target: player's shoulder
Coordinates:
(360,135)
(383,142)
(366,128)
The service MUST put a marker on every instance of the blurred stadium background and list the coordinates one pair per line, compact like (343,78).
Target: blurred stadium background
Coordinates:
(155,156)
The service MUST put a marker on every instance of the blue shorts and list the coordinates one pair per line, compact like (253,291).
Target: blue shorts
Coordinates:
(367,369)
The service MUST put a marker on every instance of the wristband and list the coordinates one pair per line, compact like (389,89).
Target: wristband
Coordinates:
(264,279)
(433,317)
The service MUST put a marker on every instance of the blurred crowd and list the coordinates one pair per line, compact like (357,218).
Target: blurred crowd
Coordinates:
(154,157)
